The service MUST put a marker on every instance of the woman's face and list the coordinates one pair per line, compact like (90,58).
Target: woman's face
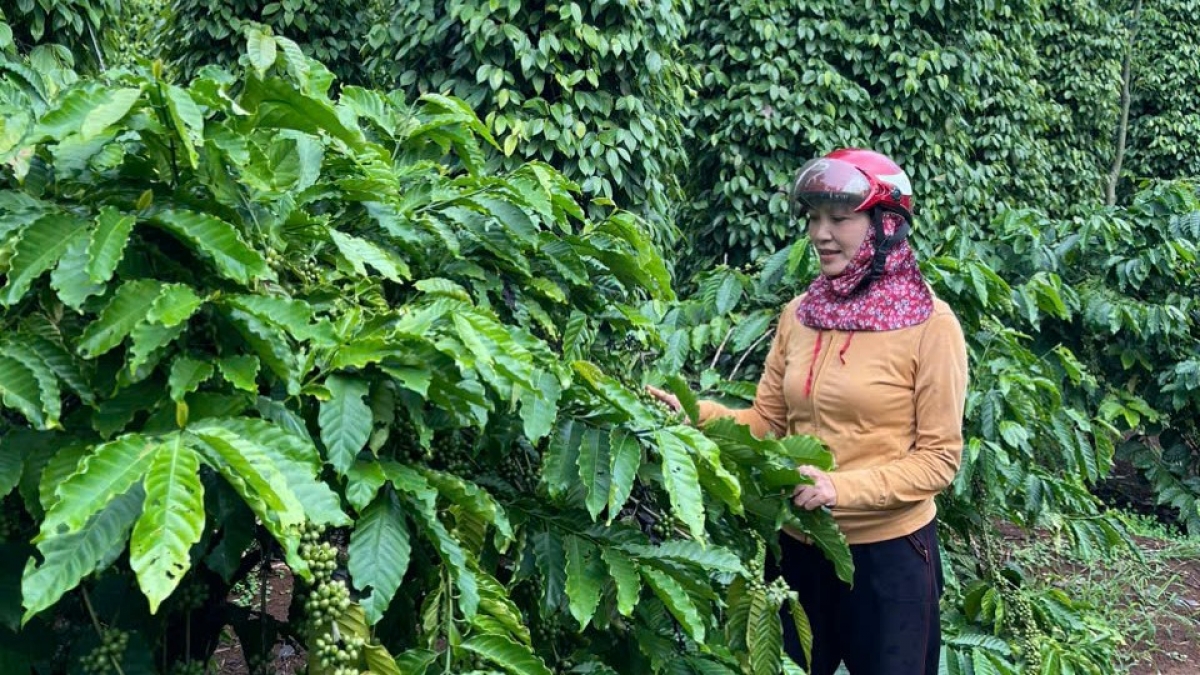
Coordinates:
(837,232)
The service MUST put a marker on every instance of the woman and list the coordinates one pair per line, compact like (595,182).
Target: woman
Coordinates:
(869,361)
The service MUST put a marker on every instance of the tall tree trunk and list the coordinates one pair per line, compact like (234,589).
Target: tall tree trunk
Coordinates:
(1123,129)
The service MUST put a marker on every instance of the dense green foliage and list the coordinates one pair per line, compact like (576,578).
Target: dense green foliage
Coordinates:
(1165,110)
(269,321)
(202,32)
(982,105)
(77,26)
(593,87)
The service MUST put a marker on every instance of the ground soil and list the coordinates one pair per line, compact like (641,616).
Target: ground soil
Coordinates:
(285,659)
(1173,648)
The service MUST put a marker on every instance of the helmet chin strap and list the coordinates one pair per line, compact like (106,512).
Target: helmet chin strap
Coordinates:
(883,243)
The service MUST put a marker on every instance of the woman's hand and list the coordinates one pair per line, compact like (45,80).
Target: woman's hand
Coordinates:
(820,493)
(667,397)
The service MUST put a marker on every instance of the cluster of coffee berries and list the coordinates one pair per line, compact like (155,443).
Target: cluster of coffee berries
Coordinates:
(333,653)
(327,600)
(190,596)
(188,668)
(100,660)
(452,453)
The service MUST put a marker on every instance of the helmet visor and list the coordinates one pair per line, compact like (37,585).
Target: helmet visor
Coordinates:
(825,181)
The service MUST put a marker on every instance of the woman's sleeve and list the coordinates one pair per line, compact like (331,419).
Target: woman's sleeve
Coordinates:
(939,396)
(768,414)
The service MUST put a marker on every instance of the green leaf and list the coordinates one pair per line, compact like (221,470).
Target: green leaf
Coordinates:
(68,117)
(107,473)
(764,634)
(69,279)
(187,120)
(240,371)
(19,390)
(728,294)
(677,600)
(551,563)
(682,481)
(65,365)
(750,330)
(40,246)
(737,613)
(380,662)
(820,526)
(172,521)
(271,345)
(12,464)
(707,558)
(594,473)
(452,555)
(176,304)
(624,573)
(147,342)
(187,375)
(472,498)
(296,457)
(363,482)
(116,104)
(687,398)
(379,552)
(126,310)
(345,420)
(513,657)
(261,50)
(615,393)
(803,629)
(494,601)
(559,472)
(251,470)
(360,252)
(415,661)
(107,243)
(47,382)
(218,240)
(294,316)
(585,574)
(539,406)
(278,105)
(626,454)
(716,479)
(57,470)
(68,559)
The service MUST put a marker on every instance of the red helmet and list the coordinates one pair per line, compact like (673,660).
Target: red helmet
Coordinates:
(861,179)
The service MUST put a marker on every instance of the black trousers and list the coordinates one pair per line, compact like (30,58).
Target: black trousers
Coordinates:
(887,624)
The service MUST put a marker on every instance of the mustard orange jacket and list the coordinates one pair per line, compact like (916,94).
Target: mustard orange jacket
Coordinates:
(888,404)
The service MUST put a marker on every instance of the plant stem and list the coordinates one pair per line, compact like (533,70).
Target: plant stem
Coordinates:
(720,348)
(738,366)
(1123,129)
(449,615)
(87,602)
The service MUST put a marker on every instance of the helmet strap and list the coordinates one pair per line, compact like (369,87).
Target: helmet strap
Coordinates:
(883,243)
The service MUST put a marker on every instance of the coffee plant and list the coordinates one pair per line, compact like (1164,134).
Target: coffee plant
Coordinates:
(246,321)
